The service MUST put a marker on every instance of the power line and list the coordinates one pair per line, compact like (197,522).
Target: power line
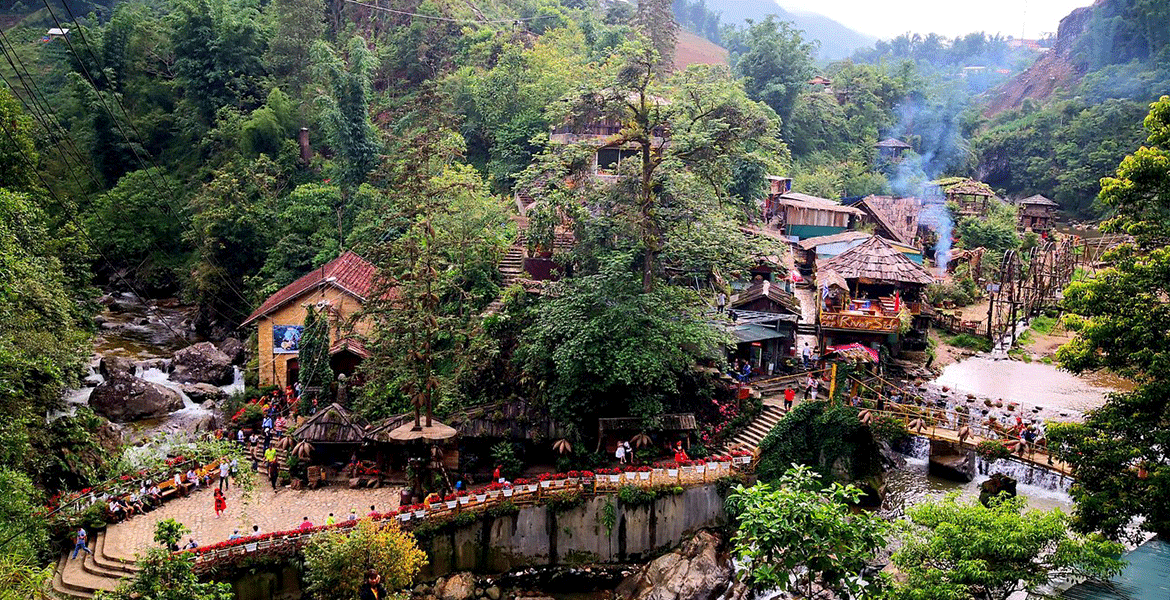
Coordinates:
(449,19)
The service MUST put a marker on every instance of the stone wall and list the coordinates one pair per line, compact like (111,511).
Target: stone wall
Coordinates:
(540,536)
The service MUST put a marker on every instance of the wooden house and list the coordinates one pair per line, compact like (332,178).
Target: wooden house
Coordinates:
(808,252)
(972,197)
(1037,214)
(802,216)
(872,294)
(821,84)
(892,218)
(764,318)
(338,289)
(892,149)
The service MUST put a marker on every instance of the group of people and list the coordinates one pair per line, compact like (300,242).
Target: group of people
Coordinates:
(624,453)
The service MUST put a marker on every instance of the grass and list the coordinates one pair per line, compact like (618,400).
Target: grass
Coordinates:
(968,341)
(1044,325)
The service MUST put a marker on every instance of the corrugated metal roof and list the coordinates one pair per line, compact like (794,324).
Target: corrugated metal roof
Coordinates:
(754,333)
(1144,578)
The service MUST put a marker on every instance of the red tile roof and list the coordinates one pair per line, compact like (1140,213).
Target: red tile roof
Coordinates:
(349,272)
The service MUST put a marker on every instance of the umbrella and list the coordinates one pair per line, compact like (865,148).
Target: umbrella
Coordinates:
(640,440)
(436,432)
(563,446)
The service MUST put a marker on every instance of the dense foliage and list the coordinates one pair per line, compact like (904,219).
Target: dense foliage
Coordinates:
(1120,318)
(336,562)
(826,437)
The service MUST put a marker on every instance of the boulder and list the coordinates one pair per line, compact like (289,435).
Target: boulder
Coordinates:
(459,586)
(493,592)
(202,363)
(162,364)
(697,570)
(202,392)
(234,349)
(124,398)
(995,485)
(113,367)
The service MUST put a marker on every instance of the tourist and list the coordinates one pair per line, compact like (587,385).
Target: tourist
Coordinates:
(81,543)
(116,510)
(273,473)
(235,535)
(225,469)
(497,476)
(373,589)
(281,425)
(154,495)
(191,544)
(220,503)
(620,453)
(789,396)
(373,512)
(721,301)
(253,440)
(306,524)
(330,520)
(255,530)
(134,504)
(270,455)
(747,371)
(192,478)
(629,451)
(297,389)
(240,437)
(352,514)
(806,356)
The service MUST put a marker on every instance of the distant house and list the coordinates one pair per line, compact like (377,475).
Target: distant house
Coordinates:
(873,295)
(893,218)
(892,149)
(339,289)
(1037,214)
(765,317)
(803,216)
(55,33)
(821,84)
(972,197)
(811,250)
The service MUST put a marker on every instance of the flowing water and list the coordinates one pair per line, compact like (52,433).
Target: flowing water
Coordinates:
(1034,383)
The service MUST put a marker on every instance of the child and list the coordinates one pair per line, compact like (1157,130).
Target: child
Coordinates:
(220,503)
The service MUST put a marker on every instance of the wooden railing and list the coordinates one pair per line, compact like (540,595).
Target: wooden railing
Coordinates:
(480,501)
(860,322)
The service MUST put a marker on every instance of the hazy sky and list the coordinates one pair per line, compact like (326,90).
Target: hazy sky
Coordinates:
(889,18)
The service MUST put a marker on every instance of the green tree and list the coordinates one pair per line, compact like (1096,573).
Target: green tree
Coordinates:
(137,230)
(1120,318)
(826,437)
(655,21)
(336,562)
(294,26)
(217,50)
(995,230)
(313,353)
(345,109)
(775,62)
(164,576)
(601,347)
(797,535)
(17,151)
(965,550)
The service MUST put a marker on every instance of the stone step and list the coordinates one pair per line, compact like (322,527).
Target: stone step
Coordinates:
(109,562)
(90,565)
(77,581)
(58,587)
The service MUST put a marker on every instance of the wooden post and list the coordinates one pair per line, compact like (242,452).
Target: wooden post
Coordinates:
(832,381)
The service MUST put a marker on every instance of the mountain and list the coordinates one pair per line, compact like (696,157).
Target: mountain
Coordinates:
(837,40)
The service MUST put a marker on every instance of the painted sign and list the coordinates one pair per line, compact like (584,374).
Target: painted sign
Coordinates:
(286,339)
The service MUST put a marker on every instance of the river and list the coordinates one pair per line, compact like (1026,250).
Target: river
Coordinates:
(1035,383)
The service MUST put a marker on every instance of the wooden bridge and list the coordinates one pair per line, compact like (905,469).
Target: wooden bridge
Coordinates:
(961,425)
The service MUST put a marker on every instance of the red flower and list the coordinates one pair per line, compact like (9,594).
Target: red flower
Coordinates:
(587,474)
(574,474)
(546,477)
(522,481)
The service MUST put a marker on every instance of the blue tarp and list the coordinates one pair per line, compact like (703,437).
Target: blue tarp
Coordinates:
(1146,577)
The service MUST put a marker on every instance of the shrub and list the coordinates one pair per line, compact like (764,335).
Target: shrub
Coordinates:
(992,450)
(889,429)
(504,455)
(336,562)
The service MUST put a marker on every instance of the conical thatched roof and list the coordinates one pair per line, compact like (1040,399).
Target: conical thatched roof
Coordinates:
(333,425)
(876,260)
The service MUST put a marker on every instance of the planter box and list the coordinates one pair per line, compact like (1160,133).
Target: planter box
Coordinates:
(700,469)
(573,480)
(404,517)
(615,478)
(630,475)
(508,492)
(481,497)
(250,547)
(558,483)
(418,514)
(493,494)
(545,484)
(659,472)
(464,499)
(644,475)
(452,503)
(672,472)
(688,470)
(532,487)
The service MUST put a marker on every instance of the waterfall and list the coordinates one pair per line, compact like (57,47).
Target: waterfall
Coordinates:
(1025,474)
(237,384)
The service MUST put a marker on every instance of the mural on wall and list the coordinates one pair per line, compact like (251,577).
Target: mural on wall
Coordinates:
(286,339)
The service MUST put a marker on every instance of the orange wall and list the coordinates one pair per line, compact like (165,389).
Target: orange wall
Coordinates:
(342,321)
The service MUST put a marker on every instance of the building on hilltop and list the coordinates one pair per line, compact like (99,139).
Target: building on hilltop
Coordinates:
(338,289)
(972,197)
(892,149)
(1037,214)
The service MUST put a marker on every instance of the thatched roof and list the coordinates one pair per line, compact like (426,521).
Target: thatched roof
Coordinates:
(876,260)
(897,216)
(799,200)
(518,419)
(1038,199)
(671,422)
(332,425)
(766,289)
(844,236)
(892,143)
(969,187)
(831,278)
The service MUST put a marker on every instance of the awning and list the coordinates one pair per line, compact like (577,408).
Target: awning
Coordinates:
(854,351)
(754,333)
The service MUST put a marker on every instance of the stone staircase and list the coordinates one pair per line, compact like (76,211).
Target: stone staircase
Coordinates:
(750,437)
(82,577)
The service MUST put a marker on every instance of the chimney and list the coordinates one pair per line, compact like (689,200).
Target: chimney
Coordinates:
(306,149)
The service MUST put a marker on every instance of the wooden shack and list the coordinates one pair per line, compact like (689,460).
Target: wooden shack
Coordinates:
(892,149)
(973,198)
(764,325)
(895,219)
(1037,214)
(336,434)
(803,216)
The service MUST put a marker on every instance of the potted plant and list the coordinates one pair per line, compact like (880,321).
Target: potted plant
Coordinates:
(523,485)
(481,495)
(508,491)
(464,497)
(452,500)
(644,473)
(672,469)
(573,477)
(586,477)
(699,465)
(404,514)
(493,490)
(420,511)
(545,480)
(629,472)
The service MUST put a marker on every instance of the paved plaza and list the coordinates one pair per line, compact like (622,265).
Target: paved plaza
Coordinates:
(272,511)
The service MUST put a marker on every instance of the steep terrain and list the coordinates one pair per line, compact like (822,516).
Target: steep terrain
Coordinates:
(1060,68)
(695,50)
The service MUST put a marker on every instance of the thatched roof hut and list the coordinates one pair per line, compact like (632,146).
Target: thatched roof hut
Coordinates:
(876,261)
(334,424)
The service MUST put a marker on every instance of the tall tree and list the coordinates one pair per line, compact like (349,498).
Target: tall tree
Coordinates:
(345,110)
(1122,321)
(655,21)
(775,62)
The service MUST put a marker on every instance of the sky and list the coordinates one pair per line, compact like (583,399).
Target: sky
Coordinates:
(890,18)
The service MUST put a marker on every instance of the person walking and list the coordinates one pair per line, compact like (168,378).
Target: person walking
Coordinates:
(721,301)
(789,396)
(225,471)
(806,355)
(810,387)
(620,453)
(330,520)
(273,473)
(220,502)
(306,524)
(629,452)
(372,590)
(81,543)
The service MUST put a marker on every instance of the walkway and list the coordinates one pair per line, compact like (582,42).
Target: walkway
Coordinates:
(272,511)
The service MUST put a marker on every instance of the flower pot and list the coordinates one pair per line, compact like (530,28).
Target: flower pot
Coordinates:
(644,475)
(250,547)
(404,517)
(464,499)
(659,473)
(700,469)
(672,472)
(418,514)
(558,483)
(508,492)
(630,475)
(532,487)
(573,480)
(493,494)
(615,478)
(545,484)
(452,503)
(481,497)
